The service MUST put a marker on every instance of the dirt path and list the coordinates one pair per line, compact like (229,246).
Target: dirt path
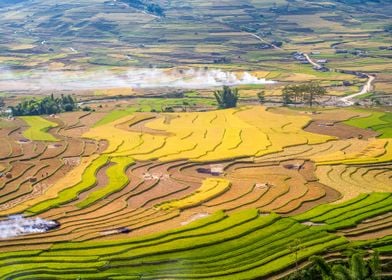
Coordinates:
(311,61)
(344,101)
(264,41)
(348,100)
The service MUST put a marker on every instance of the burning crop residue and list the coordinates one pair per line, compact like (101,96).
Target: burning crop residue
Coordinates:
(17,225)
(189,78)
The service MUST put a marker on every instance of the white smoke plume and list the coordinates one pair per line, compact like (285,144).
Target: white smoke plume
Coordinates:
(133,78)
(17,225)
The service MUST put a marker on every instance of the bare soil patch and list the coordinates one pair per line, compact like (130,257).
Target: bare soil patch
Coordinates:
(339,130)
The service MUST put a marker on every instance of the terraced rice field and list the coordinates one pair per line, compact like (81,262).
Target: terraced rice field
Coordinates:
(199,250)
(218,195)
(378,121)
(38,128)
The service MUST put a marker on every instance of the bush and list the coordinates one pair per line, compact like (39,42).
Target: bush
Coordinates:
(86,109)
(227,98)
(168,109)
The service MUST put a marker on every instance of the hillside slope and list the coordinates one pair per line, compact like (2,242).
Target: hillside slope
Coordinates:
(123,33)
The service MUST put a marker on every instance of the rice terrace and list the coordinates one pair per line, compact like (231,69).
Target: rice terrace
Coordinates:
(167,139)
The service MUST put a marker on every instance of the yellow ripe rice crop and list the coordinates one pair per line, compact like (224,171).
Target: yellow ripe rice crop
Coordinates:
(350,181)
(206,136)
(210,188)
(115,91)
(372,151)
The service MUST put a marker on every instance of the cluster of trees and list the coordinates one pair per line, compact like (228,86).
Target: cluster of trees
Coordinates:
(297,93)
(155,9)
(306,93)
(357,268)
(151,8)
(45,106)
(227,97)
(388,28)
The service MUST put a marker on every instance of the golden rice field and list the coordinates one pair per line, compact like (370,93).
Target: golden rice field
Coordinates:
(194,195)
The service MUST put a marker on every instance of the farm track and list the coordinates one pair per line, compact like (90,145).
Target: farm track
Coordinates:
(348,100)
(343,101)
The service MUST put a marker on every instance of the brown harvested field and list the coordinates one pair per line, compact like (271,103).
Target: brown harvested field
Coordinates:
(178,179)
(314,194)
(374,233)
(377,227)
(72,119)
(321,114)
(33,166)
(77,128)
(339,130)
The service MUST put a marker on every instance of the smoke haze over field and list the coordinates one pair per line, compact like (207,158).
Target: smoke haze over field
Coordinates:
(134,78)
(18,225)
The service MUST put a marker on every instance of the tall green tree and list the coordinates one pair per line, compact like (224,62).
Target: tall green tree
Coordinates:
(311,91)
(357,268)
(261,96)
(306,93)
(294,248)
(290,94)
(375,266)
(323,267)
(227,97)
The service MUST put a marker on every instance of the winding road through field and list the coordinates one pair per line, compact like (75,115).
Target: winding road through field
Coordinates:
(311,61)
(343,101)
(347,100)
(265,41)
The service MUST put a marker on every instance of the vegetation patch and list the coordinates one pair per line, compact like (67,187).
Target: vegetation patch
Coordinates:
(349,213)
(245,244)
(117,181)
(45,106)
(378,121)
(38,129)
(72,192)
(210,188)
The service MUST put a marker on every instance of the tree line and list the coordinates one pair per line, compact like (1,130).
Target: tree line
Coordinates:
(226,98)
(292,94)
(304,93)
(148,6)
(356,268)
(45,106)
